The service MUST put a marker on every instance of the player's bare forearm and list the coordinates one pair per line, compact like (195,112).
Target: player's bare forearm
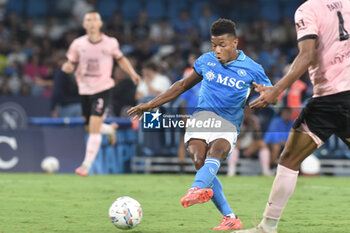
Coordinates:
(174,91)
(126,66)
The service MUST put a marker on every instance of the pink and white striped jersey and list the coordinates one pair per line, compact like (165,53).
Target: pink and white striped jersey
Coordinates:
(329,22)
(95,63)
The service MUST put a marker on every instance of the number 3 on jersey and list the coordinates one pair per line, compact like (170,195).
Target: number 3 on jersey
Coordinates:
(343,33)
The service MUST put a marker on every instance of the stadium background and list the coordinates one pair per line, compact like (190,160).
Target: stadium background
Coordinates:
(34,35)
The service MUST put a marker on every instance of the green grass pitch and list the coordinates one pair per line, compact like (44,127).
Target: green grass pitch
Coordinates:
(35,203)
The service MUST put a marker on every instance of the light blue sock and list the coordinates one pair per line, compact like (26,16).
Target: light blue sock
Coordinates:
(219,198)
(207,173)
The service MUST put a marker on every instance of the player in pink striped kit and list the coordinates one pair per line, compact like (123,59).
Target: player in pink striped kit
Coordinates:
(91,56)
(324,49)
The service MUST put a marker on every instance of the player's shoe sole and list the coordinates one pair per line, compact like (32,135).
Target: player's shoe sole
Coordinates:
(196,196)
(257,229)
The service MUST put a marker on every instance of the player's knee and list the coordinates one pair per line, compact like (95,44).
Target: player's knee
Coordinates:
(198,158)
(219,153)
(198,163)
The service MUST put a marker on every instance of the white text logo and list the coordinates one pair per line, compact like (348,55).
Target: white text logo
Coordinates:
(13,144)
(231,82)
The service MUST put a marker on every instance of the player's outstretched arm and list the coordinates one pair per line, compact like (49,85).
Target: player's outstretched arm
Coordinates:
(268,95)
(126,66)
(174,91)
(68,67)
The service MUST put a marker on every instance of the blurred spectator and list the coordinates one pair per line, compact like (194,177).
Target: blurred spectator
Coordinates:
(12,23)
(293,97)
(13,74)
(142,50)
(225,6)
(81,7)
(153,82)
(3,62)
(34,68)
(66,39)
(44,83)
(205,21)
(16,55)
(25,89)
(4,32)
(140,29)
(27,48)
(123,93)
(2,9)
(51,29)
(285,33)
(25,31)
(268,56)
(249,142)
(162,32)
(175,69)
(277,133)
(46,50)
(65,100)
(116,27)
(252,35)
(36,72)
(5,88)
(63,7)
(184,29)
(266,31)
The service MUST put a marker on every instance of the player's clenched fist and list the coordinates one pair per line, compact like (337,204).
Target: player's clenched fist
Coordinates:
(68,67)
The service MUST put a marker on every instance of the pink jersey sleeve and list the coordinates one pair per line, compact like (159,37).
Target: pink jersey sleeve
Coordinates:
(306,22)
(72,53)
(116,52)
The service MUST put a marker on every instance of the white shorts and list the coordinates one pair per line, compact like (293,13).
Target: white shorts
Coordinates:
(226,130)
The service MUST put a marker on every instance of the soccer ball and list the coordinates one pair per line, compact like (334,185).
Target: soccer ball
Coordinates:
(311,166)
(125,213)
(50,164)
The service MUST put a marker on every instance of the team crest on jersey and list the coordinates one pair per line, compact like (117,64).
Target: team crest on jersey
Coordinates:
(241,72)
(210,75)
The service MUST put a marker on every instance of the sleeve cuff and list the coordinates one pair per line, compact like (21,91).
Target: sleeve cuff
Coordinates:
(197,72)
(118,58)
(311,36)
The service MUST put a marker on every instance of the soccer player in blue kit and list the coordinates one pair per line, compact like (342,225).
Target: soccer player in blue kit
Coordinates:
(227,76)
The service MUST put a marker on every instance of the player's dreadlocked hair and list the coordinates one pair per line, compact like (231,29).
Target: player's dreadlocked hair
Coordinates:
(223,26)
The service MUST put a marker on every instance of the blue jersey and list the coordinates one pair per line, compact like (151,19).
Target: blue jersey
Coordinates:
(226,87)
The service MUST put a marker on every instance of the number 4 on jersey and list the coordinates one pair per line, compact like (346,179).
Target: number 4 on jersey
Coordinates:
(343,33)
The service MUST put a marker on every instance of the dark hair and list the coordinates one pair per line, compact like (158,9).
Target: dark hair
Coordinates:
(150,65)
(92,11)
(223,26)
